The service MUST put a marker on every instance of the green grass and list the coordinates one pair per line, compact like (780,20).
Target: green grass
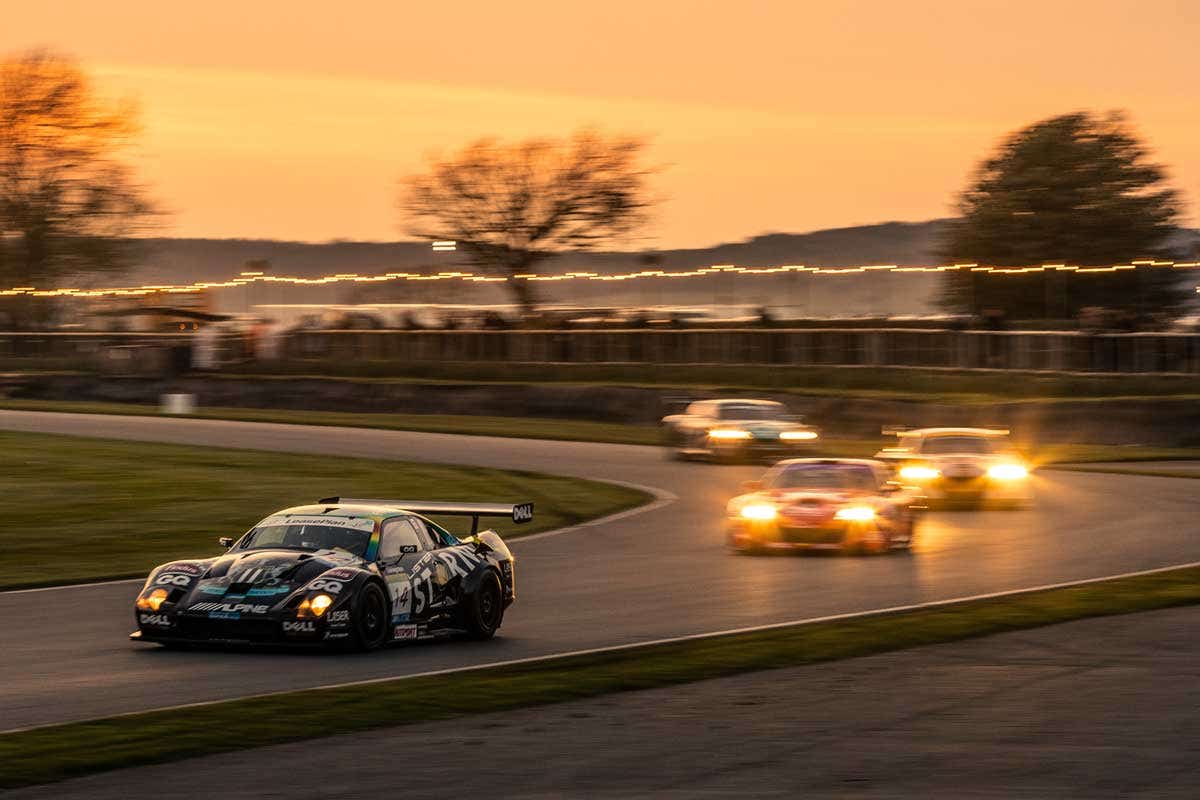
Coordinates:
(79,509)
(944,385)
(63,751)
(571,430)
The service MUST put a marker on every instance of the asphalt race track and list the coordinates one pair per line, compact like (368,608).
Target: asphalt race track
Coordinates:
(652,575)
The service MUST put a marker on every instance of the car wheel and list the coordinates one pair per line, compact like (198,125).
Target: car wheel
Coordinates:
(371,619)
(485,608)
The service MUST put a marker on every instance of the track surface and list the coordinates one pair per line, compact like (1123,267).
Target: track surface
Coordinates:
(1094,708)
(658,574)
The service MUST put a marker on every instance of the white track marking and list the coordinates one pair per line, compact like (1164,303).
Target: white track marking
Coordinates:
(632,645)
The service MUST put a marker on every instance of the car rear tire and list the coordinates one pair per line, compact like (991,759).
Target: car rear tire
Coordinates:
(371,619)
(485,608)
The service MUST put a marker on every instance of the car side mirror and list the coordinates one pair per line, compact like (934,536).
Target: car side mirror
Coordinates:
(226,542)
(752,486)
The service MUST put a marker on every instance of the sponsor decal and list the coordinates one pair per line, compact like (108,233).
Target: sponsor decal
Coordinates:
(326,585)
(522,512)
(212,587)
(267,591)
(405,633)
(336,635)
(353,523)
(187,569)
(173,579)
(339,616)
(160,620)
(341,574)
(231,608)
(299,627)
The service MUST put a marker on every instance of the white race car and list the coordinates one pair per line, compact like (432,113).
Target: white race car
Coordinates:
(960,466)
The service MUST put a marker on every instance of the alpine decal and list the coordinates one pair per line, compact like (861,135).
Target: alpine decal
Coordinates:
(231,608)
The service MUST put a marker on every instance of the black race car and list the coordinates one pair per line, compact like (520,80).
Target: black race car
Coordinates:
(353,572)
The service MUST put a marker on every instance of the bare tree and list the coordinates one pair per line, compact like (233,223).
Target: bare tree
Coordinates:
(510,206)
(68,202)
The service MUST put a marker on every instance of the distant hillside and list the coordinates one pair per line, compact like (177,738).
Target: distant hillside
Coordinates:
(177,260)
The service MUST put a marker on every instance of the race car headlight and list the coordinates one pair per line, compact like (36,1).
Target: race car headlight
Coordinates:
(152,601)
(855,514)
(1007,472)
(320,604)
(917,472)
(798,436)
(758,511)
(729,434)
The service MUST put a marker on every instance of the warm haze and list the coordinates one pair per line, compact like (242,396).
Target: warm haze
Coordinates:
(294,121)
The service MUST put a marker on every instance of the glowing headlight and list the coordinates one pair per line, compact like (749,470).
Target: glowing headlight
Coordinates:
(152,601)
(798,436)
(1007,472)
(729,433)
(759,511)
(916,472)
(320,604)
(855,514)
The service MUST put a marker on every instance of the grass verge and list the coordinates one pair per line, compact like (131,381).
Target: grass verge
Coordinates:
(78,509)
(1151,473)
(63,751)
(569,430)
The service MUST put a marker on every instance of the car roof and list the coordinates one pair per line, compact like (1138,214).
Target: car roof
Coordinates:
(376,512)
(735,401)
(866,462)
(926,433)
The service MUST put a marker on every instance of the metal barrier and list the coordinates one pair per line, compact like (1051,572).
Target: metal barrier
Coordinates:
(884,347)
(1122,353)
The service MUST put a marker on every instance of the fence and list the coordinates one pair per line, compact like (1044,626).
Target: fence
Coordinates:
(1141,353)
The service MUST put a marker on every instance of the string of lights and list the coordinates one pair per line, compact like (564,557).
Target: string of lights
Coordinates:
(249,278)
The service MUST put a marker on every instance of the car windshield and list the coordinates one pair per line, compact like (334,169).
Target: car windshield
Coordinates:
(353,535)
(966,445)
(735,411)
(857,477)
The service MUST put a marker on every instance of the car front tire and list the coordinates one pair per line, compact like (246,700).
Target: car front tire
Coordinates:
(371,619)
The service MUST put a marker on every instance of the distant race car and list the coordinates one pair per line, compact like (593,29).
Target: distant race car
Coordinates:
(736,430)
(851,505)
(352,572)
(960,466)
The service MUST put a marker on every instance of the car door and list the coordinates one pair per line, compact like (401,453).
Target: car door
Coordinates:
(403,555)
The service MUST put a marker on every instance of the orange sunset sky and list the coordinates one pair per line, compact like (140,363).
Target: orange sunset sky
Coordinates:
(294,120)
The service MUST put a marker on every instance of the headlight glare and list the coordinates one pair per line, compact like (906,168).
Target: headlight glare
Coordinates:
(729,433)
(320,604)
(855,514)
(152,601)
(798,436)
(758,511)
(919,472)
(1007,472)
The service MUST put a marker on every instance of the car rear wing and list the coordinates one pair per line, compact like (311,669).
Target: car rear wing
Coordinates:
(519,513)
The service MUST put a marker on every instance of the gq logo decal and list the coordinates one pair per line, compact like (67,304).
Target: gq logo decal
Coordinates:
(174,579)
(324,584)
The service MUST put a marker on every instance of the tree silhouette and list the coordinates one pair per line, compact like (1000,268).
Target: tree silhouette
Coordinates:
(68,202)
(1077,189)
(510,206)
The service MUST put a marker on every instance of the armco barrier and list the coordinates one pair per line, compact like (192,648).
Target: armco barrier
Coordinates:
(1143,353)
(1128,353)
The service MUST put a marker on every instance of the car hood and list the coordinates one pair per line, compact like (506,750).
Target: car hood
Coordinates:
(268,574)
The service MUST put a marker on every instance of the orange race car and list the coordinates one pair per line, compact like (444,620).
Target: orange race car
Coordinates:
(845,504)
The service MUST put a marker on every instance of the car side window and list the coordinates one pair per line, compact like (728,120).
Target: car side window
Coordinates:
(429,540)
(399,537)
